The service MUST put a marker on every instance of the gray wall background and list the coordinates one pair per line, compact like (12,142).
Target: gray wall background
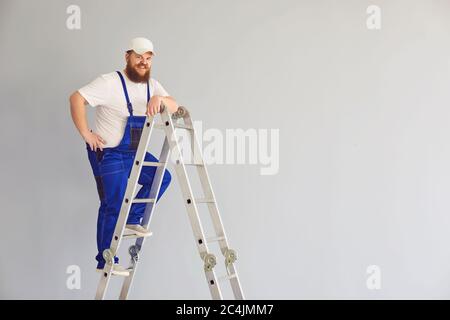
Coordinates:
(363,117)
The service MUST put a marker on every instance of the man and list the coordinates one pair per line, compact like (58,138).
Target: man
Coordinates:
(122,101)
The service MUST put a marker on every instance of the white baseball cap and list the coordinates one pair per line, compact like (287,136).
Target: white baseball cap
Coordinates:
(141,45)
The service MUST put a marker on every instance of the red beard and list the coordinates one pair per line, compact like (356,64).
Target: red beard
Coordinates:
(134,76)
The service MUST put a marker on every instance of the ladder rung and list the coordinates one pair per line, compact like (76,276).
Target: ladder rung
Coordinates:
(152,164)
(204,200)
(214,239)
(143,200)
(227,277)
(134,236)
(126,273)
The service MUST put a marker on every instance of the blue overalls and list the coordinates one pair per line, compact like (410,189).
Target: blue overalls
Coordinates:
(111,168)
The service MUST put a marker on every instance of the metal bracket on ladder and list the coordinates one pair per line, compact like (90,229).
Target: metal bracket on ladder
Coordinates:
(170,125)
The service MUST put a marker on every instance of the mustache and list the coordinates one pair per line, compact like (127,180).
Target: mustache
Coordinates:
(143,65)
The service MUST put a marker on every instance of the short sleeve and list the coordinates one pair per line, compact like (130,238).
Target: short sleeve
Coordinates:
(159,90)
(96,92)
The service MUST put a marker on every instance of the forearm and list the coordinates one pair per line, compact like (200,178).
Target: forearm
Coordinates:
(170,103)
(78,112)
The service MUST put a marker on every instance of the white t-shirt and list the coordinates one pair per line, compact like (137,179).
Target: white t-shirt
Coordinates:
(106,94)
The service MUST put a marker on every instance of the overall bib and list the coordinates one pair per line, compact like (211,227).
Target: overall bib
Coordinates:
(111,168)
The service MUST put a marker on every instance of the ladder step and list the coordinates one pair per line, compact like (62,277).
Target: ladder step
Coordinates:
(228,277)
(214,239)
(152,164)
(143,200)
(194,164)
(135,236)
(121,273)
(204,200)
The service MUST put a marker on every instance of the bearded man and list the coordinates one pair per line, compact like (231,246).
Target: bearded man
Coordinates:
(122,101)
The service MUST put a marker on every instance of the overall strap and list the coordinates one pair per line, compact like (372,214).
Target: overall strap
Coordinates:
(148,92)
(125,91)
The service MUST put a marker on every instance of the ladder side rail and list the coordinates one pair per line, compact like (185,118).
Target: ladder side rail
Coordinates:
(148,215)
(213,207)
(125,209)
(191,207)
(206,186)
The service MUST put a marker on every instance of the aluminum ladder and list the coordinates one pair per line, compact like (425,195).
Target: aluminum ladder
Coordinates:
(170,123)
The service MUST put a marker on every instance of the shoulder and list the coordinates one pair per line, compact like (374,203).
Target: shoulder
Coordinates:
(110,77)
(109,80)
